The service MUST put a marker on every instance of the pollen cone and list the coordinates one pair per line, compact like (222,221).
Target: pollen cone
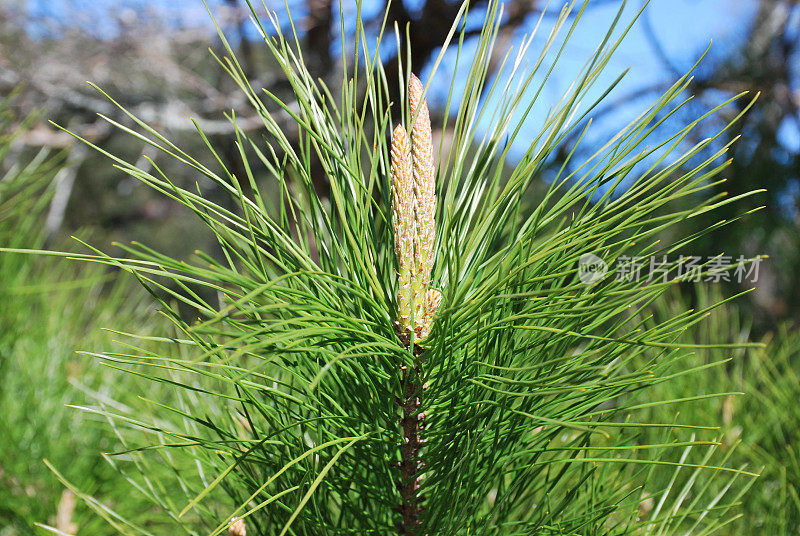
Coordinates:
(403,222)
(413,217)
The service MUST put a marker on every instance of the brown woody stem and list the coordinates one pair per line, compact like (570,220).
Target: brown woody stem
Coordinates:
(412,423)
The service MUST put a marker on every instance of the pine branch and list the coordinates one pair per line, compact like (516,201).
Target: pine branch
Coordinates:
(413,217)
(411,463)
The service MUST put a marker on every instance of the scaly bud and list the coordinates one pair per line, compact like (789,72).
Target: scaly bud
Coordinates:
(237,528)
(433,298)
(403,222)
(424,175)
(424,196)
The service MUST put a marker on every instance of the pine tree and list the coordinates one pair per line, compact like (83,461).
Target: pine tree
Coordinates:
(417,353)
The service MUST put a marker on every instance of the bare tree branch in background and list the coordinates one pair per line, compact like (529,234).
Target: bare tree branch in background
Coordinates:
(428,31)
(64,181)
(161,74)
(164,75)
(318,38)
(764,61)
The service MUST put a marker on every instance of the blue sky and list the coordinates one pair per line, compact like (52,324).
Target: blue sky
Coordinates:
(684,27)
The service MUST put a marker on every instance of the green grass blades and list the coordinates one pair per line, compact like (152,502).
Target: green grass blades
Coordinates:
(755,416)
(48,310)
(274,401)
